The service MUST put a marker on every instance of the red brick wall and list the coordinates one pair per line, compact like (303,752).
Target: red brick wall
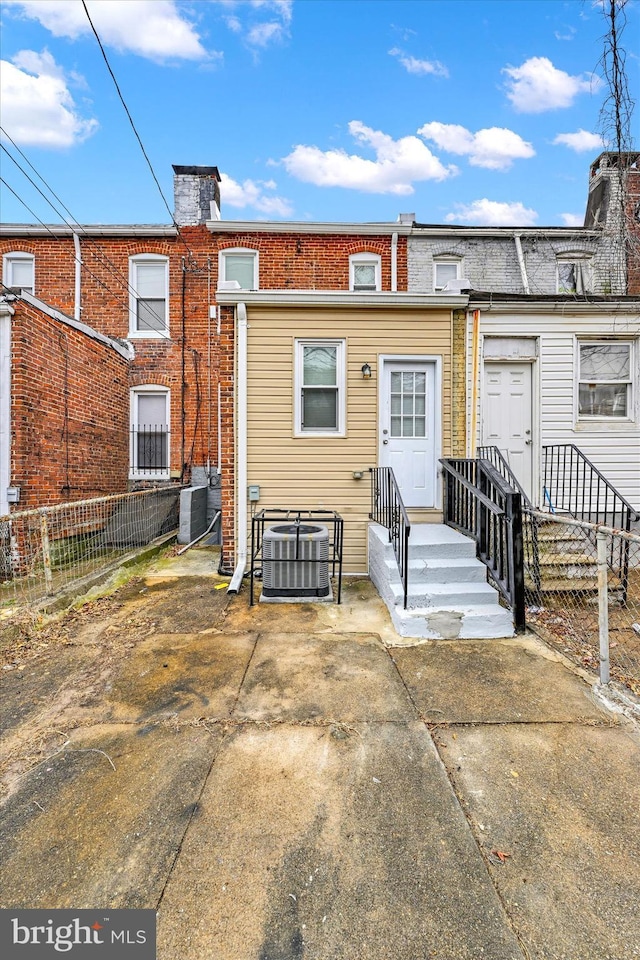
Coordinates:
(286,261)
(633,221)
(69,412)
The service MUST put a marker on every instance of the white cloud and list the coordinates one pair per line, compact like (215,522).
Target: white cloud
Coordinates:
(572,219)
(397,164)
(492,213)
(581,141)
(251,193)
(569,35)
(37,107)
(537,86)
(262,22)
(493,147)
(150,28)
(420,67)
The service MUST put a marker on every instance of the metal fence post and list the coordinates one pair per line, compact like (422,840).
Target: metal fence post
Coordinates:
(46,551)
(603,606)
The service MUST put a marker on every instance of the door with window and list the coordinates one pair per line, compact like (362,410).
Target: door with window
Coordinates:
(408,429)
(507,416)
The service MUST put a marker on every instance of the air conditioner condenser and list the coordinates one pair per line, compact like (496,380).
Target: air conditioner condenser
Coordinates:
(295,560)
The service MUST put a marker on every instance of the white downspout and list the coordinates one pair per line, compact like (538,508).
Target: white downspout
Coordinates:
(241,451)
(523,266)
(77,311)
(6,312)
(394,262)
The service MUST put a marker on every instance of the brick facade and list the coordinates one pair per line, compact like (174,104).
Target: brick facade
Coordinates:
(69,412)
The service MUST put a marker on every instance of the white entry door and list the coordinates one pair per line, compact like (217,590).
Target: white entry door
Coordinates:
(507,416)
(407,429)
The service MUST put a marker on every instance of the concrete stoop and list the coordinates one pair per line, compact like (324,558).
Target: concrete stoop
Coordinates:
(448,596)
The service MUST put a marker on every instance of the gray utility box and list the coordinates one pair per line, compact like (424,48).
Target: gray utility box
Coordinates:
(295,560)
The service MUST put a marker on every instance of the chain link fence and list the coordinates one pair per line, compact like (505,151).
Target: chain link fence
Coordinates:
(582,585)
(44,551)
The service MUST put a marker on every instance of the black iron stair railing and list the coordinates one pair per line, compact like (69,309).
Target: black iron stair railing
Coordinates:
(481,504)
(388,510)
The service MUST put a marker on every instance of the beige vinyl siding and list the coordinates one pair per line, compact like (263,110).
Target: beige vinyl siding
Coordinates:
(613,446)
(317,472)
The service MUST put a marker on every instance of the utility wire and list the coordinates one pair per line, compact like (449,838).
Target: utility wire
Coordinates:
(137,135)
(113,269)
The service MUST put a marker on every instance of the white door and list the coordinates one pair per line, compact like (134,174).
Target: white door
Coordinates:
(408,429)
(507,416)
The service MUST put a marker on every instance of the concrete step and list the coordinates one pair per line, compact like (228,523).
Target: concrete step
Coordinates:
(443,570)
(446,596)
(432,623)
(437,541)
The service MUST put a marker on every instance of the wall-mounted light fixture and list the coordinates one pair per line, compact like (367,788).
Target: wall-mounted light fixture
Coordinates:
(366,371)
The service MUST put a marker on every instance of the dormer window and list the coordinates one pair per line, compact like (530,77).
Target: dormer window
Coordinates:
(241,265)
(574,275)
(443,272)
(364,272)
(18,272)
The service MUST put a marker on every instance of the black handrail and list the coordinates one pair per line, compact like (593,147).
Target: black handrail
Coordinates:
(574,485)
(480,503)
(388,509)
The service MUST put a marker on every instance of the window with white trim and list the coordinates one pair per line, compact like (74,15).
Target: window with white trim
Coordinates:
(148,295)
(150,432)
(240,264)
(320,387)
(574,275)
(605,380)
(443,272)
(365,272)
(18,271)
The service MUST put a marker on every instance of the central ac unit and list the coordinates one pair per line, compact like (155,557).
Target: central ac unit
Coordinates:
(295,560)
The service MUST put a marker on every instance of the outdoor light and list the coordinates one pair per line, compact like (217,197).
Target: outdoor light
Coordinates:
(366,371)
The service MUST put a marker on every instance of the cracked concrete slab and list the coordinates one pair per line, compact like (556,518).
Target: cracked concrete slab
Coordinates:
(339,676)
(78,833)
(320,842)
(493,681)
(555,810)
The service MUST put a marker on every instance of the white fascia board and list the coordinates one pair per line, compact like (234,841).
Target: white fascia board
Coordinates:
(340,298)
(86,230)
(282,226)
(564,308)
(125,350)
(504,232)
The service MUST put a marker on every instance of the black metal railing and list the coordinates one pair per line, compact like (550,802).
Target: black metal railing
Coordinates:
(531,549)
(480,503)
(573,485)
(149,445)
(388,509)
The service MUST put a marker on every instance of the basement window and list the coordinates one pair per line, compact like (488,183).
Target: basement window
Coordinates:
(605,380)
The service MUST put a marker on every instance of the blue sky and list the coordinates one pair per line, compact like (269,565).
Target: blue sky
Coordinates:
(464,111)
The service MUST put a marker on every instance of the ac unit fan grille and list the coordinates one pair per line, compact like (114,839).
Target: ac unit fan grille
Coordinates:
(295,563)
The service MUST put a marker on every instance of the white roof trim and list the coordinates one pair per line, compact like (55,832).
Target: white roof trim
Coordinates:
(86,230)
(564,307)
(301,226)
(340,298)
(125,350)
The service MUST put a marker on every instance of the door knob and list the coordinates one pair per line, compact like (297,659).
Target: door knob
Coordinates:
(528,443)
(385,441)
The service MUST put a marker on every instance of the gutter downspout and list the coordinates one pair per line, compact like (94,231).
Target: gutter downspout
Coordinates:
(241,451)
(394,262)
(472,440)
(523,266)
(77,308)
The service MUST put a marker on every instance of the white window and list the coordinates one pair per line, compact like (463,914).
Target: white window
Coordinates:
(150,432)
(239,264)
(605,379)
(149,296)
(443,271)
(364,272)
(320,387)
(18,272)
(574,275)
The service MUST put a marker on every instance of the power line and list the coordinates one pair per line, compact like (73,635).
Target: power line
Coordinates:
(113,269)
(137,135)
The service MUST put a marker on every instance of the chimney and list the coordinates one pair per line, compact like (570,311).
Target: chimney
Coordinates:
(406,217)
(610,173)
(196,192)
